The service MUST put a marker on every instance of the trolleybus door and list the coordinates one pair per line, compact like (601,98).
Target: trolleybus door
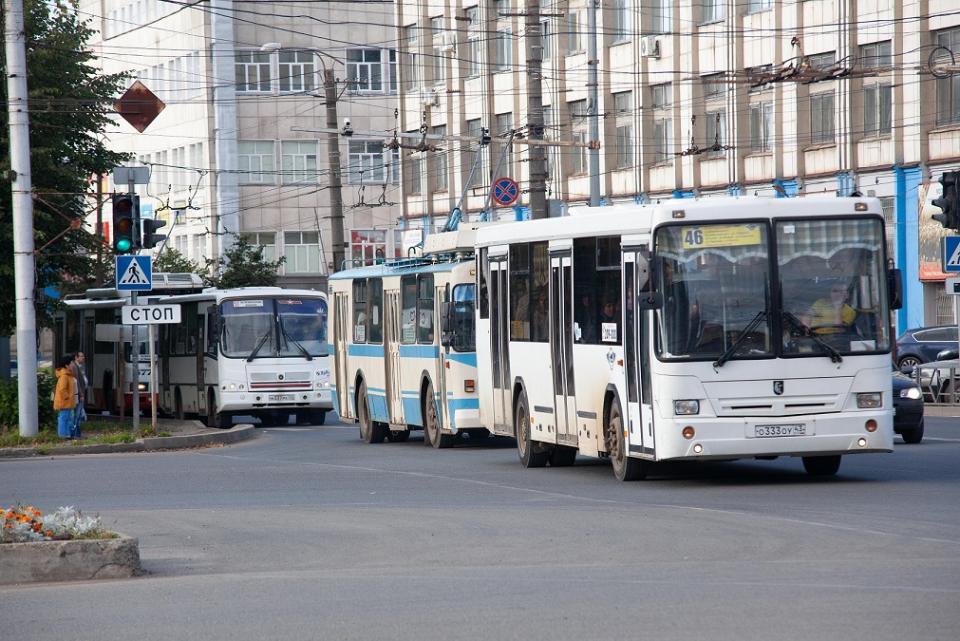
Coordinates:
(392,356)
(340,353)
(637,353)
(499,345)
(440,296)
(561,347)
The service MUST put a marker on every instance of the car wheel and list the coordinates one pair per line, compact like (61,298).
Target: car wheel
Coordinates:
(908,361)
(913,435)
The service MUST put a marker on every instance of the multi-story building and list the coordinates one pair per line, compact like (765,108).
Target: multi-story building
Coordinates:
(239,147)
(711,97)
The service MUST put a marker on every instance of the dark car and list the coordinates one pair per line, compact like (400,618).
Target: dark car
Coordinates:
(922,344)
(908,408)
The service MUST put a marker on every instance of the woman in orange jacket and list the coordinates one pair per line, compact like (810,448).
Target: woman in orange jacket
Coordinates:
(64,397)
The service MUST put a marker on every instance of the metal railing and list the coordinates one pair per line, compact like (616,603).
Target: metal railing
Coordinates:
(939,382)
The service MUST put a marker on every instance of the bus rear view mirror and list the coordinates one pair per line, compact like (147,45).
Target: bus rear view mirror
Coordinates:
(647,267)
(895,287)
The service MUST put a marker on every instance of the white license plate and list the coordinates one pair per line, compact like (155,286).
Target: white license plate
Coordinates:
(774,431)
(281,398)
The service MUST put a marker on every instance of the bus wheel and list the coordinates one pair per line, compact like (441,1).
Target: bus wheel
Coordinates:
(532,453)
(624,467)
(562,456)
(178,405)
(216,419)
(370,431)
(398,436)
(431,423)
(821,465)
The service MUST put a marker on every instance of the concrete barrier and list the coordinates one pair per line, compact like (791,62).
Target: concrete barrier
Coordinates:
(77,560)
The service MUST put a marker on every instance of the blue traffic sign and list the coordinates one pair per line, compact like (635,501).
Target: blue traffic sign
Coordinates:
(951,254)
(134,273)
(505,191)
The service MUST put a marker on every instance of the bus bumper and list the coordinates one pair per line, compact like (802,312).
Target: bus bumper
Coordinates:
(144,401)
(320,399)
(732,438)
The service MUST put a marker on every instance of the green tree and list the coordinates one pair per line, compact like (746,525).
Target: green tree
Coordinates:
(171,261)
(242,265)
(69,105)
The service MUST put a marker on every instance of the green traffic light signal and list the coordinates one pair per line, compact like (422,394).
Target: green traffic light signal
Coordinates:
(123,245)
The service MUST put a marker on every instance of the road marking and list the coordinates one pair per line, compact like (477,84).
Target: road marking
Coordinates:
(287,429)
(947,440)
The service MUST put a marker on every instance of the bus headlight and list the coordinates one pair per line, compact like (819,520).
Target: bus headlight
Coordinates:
(869,400)
(913,393)
(141,387)
(686,407)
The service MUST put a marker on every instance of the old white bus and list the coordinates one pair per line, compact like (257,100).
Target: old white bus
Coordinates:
(403,336)
(690,330)
(259,351)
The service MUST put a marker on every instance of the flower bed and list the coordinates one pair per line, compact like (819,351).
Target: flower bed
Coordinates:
(63,545)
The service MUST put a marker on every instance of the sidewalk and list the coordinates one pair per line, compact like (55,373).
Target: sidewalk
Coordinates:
(182,434)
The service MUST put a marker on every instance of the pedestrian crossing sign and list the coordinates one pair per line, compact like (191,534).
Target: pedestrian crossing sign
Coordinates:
(134,273)
(951,254)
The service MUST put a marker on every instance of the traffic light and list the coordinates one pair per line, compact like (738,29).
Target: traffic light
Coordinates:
(150,238)
(126,212)
(949,202)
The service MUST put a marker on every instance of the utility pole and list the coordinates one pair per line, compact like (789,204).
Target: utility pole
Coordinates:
(22,201)
(333,156)
(135,329)
(538,154)
(592,84)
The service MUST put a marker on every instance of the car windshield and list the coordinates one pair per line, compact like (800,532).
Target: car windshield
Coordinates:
(303,321)
(833,286)
(715,280)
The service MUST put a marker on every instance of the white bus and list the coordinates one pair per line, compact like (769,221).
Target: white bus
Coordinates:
(690,330)
(397,368)
(91,324)
(259,351)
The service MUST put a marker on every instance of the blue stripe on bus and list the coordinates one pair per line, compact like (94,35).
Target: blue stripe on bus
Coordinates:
(365,350)
(454,404)
(411,411)
(420,351)
(468,358)
(378,407)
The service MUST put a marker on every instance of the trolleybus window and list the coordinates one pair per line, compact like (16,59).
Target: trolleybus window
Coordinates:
(360,310)
(464,301)
(833,286)
(425,309)
(408,286)
(375,311)
(716,291)
(483,271)
(596,275)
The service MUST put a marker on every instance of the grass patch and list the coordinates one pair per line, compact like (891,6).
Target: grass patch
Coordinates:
(95,432)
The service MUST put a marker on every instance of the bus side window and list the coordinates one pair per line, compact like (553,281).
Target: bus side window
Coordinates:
(375,310)
(360,310)
(483,270)
(212,334)
(408,323)
(425,309)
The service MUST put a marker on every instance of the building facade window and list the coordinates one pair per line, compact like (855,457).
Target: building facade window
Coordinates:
(877,109)
(623,106)
(440,166)
(545,33)
(504,125)
(255,159)
(620,20)
(948,88)
(579,118)
(821,118)
(364,70)
(662,140)
(299,162)
(716,131)
(754,6)
(439,62)
(368,246)
(661,96)
(366,162)
(411,70)
(475,41)
(822,61)
(252,72)
(302,252)
(761,126)
(481,174)
(413,167)
(711,11)
(503,50)
(265,239)
(714,86)
(296,72)
(661,16)
(573,35)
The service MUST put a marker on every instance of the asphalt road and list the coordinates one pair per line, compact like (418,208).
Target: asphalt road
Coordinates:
(307,533)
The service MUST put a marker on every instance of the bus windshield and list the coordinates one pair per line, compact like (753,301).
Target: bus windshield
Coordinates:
(833,286)
(715,282)
(265,327)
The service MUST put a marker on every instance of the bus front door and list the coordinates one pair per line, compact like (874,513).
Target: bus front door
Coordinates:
(340,353)
(637,353)
(499,346)
(561,347)
(392,357)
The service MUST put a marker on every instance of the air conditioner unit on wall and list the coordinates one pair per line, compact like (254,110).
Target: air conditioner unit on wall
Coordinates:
(650,46)
(430,97)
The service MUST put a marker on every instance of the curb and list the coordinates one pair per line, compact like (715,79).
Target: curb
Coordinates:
(235,434)
(74,560)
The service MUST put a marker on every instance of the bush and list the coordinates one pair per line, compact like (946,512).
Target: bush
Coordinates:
(9,414)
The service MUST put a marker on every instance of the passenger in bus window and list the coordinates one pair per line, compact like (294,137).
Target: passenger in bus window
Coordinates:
(587,319)
(541,330)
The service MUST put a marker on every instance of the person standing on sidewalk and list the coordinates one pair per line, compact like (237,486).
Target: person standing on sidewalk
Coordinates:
(65,397)
(79,369)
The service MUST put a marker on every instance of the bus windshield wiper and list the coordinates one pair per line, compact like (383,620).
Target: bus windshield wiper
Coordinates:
(804,330)
(263,339)
(752,325)
(286,334)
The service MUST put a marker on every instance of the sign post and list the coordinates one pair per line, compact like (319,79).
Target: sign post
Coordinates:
(134,274)
(151,316)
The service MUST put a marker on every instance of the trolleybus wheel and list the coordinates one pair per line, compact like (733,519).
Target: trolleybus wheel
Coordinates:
(398,436)
(821,465)
(431,423)
(532,453)
(624,467)
(562,456)
(370,431)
